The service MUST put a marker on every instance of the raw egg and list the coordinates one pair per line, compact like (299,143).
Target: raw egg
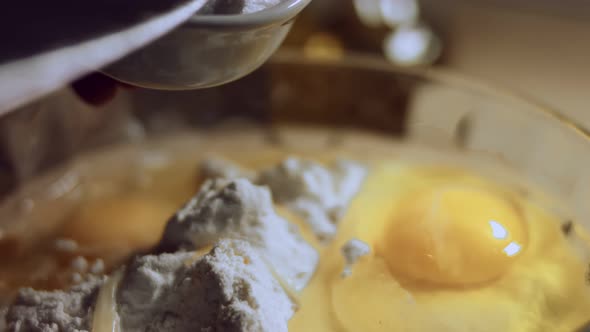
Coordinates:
(452,235)
(451,251)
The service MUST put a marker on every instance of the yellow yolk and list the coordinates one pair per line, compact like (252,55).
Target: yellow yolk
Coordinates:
(452,236)
(119,223)
(450,251)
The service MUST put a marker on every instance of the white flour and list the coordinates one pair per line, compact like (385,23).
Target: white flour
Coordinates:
(83,270)
(79,264)
(317,193)
(352,251)
(66,245)
(243,284)
(39,311)
(229,289)
(238,209)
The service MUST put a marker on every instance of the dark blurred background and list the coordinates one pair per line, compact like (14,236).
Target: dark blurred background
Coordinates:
(540,48)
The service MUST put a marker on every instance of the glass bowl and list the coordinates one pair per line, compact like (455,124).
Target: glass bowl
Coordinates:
(429,107)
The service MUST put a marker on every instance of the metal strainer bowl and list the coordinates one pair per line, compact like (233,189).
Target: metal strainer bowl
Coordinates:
(209,50)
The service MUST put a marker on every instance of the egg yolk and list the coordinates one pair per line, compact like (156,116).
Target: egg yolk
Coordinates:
(452,236)
(119,223)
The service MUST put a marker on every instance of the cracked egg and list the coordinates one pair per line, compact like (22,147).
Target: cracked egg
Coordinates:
(450,251)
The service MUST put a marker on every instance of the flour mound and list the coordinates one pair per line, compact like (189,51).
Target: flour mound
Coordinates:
(236,208)
(318,194)
(352,251)
(58,311)
(229,289)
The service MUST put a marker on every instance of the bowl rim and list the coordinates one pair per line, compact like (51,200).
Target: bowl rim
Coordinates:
(446,76)
(280,13)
